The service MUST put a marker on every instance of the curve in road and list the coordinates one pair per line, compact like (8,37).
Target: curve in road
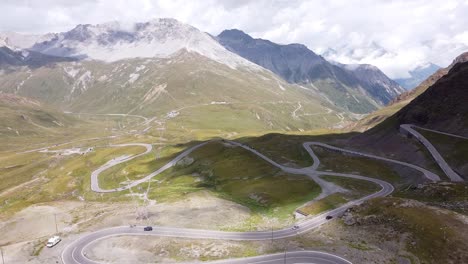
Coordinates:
(409,129)
(428,174)
(95,174)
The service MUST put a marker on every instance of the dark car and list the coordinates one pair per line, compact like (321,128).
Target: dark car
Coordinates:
(148,228)
(329,217)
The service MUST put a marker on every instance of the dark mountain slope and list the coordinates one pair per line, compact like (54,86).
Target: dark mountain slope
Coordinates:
(405,98)
(9,57)
(441,107)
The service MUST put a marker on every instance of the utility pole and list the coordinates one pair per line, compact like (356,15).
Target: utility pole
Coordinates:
(56,227)
(284,255)
(272,234)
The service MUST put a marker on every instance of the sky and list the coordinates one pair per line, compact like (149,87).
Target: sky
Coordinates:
(395,35)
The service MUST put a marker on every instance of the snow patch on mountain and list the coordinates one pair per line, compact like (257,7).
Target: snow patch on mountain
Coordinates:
(82,83)
(71,71)
(5,43)
(139,68)
(133,77)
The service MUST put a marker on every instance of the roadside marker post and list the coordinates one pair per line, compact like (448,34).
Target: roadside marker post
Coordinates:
(56,227)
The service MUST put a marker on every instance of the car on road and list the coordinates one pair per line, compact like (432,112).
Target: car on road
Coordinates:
(53,241)
(329,217)
(148,228)
(295,227)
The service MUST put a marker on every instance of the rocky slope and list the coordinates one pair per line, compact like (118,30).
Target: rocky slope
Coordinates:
(158,38)
(295,63)
(376,83)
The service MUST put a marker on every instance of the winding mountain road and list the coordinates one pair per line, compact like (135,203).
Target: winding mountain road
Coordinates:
(75,252)
(408,128)
(95,174)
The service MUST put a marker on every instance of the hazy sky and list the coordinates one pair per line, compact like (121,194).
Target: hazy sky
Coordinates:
(412,31)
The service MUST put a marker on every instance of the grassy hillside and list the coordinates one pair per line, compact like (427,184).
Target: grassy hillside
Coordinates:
(23,116)
(433,235)
(187,90)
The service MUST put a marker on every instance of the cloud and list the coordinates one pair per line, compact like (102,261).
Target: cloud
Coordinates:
(414,32)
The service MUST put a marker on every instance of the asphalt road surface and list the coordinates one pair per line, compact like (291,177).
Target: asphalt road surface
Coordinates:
(434,153)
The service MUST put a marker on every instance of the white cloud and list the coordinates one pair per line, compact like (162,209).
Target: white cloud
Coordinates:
(413,31)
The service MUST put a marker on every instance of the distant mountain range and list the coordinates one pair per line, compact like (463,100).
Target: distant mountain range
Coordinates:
(418,75)
(163,67)
(368,51)
(347,86)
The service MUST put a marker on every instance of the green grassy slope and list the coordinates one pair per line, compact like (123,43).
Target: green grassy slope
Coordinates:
(238,175)
(23,116)
(200,93)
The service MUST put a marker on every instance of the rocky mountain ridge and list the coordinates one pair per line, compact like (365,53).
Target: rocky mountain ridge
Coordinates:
(295,63)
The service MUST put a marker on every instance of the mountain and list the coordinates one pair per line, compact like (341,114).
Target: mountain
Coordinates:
(158,38)
(23,41)
(9,57)
(295,63)
(418,75)
(409,95)
(171,72)
(405,98)
(375,81)
(442,106)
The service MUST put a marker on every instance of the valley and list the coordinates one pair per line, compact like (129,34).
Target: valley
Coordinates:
(166,144)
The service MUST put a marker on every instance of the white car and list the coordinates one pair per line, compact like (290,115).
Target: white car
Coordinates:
(53,241)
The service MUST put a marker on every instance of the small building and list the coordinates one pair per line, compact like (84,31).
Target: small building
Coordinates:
(298,214)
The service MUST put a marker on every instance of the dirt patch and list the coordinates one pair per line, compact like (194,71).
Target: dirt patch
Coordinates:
(37,221)
(196,210)
(146,249)
(26,232)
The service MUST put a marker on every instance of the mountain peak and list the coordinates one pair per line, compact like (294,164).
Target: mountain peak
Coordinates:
(460,59)
(157,38)
(5,42)
(235,34)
